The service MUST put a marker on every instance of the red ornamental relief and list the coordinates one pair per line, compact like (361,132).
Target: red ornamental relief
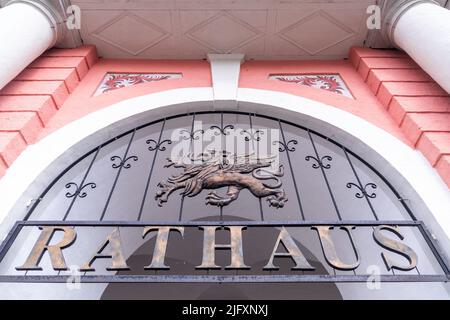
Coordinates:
(333,83)
(113,81)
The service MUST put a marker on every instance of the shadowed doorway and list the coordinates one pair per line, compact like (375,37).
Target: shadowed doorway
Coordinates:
(183,254)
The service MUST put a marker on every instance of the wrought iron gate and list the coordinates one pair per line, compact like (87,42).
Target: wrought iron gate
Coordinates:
(128,183)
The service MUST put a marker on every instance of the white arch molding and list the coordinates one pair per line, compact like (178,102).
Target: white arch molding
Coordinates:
(405,168)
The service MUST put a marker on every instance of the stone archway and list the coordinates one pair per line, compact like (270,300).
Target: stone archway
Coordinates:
(100,126)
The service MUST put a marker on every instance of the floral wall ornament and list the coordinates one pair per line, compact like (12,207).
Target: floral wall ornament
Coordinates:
(329,82)
(114,81)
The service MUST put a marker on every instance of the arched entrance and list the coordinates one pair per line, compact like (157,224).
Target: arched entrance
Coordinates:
(327,181)
(354,191)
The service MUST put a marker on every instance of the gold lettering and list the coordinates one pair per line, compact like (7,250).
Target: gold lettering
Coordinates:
(293,252)
(209,247)
(159,253)
(395,246)
(118,259)
(54,251)
(329,250)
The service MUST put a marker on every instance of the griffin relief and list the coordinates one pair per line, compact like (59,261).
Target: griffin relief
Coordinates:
(216,170)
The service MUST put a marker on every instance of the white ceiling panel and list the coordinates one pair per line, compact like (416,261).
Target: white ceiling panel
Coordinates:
(186,29)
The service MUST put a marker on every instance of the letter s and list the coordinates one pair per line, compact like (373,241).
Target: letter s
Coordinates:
(394,246)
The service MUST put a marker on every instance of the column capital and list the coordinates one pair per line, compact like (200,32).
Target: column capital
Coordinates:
(393,14)
(51,13)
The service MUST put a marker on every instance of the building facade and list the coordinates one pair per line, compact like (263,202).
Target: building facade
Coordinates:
(209,150)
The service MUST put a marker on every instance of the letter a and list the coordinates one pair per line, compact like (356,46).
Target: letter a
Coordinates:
(118,260)
(293,252)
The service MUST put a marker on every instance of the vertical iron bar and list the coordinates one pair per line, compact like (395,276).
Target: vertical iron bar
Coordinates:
(257,154)
(261,210)
(439,255)
(9,240)
(360,184)
(81,183)
(191,138)
(180,214)
(151,171)
(117,175)
(292,171)
(319,160)
(222,144)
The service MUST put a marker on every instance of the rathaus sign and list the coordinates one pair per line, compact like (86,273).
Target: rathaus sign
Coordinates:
(286,205)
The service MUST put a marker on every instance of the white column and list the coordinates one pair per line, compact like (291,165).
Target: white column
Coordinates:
(422,29)
(27,29)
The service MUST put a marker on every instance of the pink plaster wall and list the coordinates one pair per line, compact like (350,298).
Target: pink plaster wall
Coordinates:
(34,97)
(197,74)
(82,101)
(389,90)
(417,104)
(254,74)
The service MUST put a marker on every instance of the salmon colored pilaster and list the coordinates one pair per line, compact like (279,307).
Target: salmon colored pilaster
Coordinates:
(55,89)
(87,52)
(416,124)
(3,168)
(78,63)
(388,90)
(44,106)
(443,167)
(419,106)
(26,123)
(357,53)
(378,76)
(11,144)
(401,106)
(434,145)
(67,75)
(29,101)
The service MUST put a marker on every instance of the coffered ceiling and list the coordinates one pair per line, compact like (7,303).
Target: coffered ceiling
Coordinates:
(189,29)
